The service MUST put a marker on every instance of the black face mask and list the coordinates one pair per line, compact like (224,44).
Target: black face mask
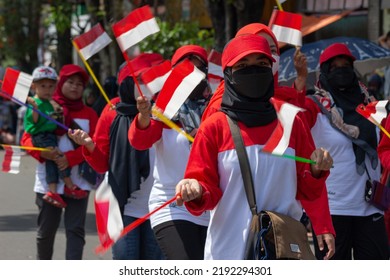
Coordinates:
(342,78)
(199,91)
(255,82)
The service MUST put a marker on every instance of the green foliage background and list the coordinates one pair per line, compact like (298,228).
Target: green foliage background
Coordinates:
(174,36)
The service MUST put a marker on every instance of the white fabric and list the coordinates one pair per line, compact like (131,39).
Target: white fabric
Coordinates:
(64,145)
(172,152)
(345,186)
(137,204)
(226,240)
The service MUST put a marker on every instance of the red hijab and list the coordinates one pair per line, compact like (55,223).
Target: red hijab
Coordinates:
(67,104)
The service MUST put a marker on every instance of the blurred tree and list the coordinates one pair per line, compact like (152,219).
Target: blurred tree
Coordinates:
(227,16)
(20,24)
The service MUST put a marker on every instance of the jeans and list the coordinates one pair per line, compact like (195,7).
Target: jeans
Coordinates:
(49,218)
(47,139)
(138,244)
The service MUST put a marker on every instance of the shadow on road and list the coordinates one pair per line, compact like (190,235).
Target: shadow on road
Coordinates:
(27,222)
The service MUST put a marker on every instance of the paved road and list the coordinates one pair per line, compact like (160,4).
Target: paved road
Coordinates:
(18,214)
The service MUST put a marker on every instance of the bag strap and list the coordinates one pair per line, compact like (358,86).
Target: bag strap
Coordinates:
(248,184)
(244,164)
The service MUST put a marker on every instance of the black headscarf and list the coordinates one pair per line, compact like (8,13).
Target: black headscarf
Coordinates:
(252,112)
(127,165)
(347,100)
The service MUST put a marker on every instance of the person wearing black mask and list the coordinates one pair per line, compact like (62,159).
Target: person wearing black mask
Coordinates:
(213,179)
(352,140)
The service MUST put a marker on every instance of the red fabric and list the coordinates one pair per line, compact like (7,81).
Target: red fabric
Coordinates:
(69,105)
(139,64)
(242,46)
(216,138)
(335,50)
(256,28)
(74,157)
(186,50)
(143,139)
(99,158)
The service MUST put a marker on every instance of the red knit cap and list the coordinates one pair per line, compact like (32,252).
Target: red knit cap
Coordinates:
(243,45)
(256,28)
(334,50)
(188,50)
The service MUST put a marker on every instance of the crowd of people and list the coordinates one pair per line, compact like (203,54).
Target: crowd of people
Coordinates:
(210,218)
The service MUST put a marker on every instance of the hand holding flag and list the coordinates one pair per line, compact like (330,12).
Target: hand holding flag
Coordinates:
(287,27)
(375,112)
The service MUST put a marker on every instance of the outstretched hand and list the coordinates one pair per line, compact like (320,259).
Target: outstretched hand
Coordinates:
(82,138)
(187,190)
(323,161)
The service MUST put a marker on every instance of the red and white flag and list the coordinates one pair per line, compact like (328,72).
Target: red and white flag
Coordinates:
(287,27)
(374,111)
(179,85)
(109,222)
(16,84)
(135,27)
(155,77)
(92,41)
(11,161)
(215,73)
(215,65)
(280,138)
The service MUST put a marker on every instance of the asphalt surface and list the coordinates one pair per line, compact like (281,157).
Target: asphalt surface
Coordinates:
(18,214)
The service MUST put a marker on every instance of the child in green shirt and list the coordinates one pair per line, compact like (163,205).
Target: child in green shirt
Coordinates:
(43,131)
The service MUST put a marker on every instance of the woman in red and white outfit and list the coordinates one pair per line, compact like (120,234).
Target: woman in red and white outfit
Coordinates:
(69,92)
(213,179)
(180,235)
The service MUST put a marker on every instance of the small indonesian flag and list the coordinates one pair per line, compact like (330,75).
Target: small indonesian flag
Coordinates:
(287,27)
(215,65)
(93,41)
(11,160)
(179,85)
(374,111)
(280,138)
(108,216)
(135,27)
(155,77)
(16,84)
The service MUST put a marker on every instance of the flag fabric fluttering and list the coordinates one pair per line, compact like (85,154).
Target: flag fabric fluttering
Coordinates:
(287,27)
(155,77)
(280,138)
(136,26)
(109,222)
(16,84)
(11,161)
(215,65)
(374,111)
(215,73)
(179,85)
(92,41)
